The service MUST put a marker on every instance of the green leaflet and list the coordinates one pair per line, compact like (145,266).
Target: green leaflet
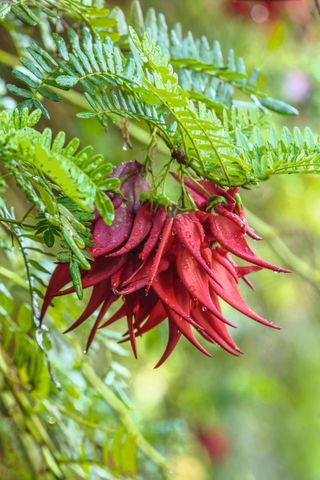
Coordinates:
(29,12)
(62,164)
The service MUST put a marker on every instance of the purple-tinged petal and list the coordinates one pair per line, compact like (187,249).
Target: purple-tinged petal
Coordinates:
(109,237)
(141,227)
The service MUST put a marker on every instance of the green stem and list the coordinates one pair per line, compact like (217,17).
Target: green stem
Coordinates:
(8,59)
(81,421)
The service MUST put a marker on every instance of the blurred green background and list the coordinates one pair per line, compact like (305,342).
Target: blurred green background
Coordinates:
(256,417)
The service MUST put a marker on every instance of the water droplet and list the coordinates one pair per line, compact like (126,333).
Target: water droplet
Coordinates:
(52,420)
(204,309)
(125,147)
(85,351)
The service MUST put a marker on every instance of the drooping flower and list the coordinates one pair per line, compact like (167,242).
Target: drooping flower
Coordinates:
(167,266)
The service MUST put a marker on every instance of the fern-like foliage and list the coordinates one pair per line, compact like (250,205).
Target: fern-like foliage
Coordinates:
(32,12)
(143,85)
(62,182)
(203,70)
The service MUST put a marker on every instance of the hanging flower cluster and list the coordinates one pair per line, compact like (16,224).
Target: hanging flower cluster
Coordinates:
(167,266)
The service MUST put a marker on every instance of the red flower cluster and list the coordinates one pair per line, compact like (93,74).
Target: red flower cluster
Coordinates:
(165,266)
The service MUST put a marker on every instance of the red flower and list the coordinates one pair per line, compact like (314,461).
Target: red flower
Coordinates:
(216,443)
(164,266)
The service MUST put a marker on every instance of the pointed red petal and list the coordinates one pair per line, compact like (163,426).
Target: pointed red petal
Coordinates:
(229,293)
(185,328)
(230,236)
(157,315)
(116,316)
(158,224)
(249,230)
(223,258)
(223,211)
(173,339)
(176,297)
(196,282)
(144,307)
(59,278)
(97,297)
(129,313)
(122,273)
(166,237)
(243,270)
(215,329)
(105,307)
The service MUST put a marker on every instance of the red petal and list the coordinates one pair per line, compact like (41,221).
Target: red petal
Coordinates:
(196,282)
(59,278)
(129,308)
(158,223)
(230,294)
(144,306)
(191,235)
(249,230)
(243,270)
(108,237)
(102,269)
(98,295)
(166,236)
(185,329)
(141,277)
(124,272)
(174,337)
(230,236)
(216,330)
(105,307)
(171,295)
(157,315)
(116,316)
(223,258)
(222,210)
(141,227)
